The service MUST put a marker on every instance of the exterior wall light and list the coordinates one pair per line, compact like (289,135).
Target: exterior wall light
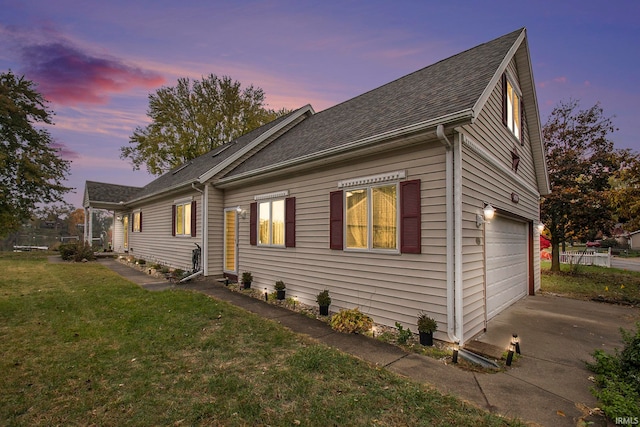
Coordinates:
(515,340)
(487,215)
(241,212)
(540,227)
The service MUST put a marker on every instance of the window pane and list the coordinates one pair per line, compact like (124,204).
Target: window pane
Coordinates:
(277,222)
(180,219)
(356,229)
(263,226)
(136,221)
(187,218)
(384,217)
(516,115)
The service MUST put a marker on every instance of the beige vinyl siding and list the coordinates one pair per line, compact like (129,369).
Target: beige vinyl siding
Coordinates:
(483,182)
(389,287)
(155,243)
(118,232)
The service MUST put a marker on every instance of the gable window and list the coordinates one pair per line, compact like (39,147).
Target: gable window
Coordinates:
(511,107)
(184,218)
(272,220)
(376,217)
(136,223)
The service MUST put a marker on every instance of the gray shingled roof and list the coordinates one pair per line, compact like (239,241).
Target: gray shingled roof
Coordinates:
(101,192)
(449,86)
(189,172)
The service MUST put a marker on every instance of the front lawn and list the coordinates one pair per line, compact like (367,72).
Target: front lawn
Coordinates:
(592,283)
(82,346)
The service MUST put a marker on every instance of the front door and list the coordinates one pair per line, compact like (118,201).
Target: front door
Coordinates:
(231,241)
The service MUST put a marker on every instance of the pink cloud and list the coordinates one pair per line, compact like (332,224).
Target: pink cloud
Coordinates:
(68,76)
(64,151)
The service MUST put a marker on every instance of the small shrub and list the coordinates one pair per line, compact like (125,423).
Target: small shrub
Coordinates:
(323,298)
(156,266)
(247,277)
(351,321)
(618,377)
(178,272)
(141,262)
(426,323)
(76,251)
(279,286)
(403,334)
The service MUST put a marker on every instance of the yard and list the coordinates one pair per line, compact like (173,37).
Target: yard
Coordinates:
(81,346)
(593,283)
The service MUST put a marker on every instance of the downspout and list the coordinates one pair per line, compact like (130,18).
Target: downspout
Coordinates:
(203,202)
(452,327)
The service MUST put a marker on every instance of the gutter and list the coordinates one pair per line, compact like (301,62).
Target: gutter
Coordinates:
(453,307)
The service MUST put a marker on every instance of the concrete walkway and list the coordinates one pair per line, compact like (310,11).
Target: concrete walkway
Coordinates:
(547,386)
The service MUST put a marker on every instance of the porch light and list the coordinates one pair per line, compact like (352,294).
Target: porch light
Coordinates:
(241,212)
(456,347)
(119,217)
(487,215)
(540,227)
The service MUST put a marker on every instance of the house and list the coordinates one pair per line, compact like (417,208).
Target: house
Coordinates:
(420,195)
(634,240)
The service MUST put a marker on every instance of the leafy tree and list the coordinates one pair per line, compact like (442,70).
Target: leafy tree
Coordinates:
(625,191)
(581,160)
(194,117)
(31,170)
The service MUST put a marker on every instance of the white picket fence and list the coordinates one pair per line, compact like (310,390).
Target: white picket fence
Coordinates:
(591,257)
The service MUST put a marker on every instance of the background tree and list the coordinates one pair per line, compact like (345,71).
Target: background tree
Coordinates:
(31,170)
(625,191)
(194,117)
(581,161)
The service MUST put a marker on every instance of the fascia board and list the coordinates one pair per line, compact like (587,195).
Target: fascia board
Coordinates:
(250,146)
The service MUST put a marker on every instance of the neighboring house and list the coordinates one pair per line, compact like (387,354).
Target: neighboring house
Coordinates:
(378,199)
(634,240)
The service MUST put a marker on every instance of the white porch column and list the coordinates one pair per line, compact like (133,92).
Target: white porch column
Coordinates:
(88,225)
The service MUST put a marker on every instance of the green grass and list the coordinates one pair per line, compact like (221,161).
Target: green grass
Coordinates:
(82,346)
(589,282)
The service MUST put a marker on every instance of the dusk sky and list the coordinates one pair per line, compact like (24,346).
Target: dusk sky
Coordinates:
(97,61)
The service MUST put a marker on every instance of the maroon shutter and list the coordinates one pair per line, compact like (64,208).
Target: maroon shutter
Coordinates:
(140,230)
(132,221)
(194,219)
(504,99)
(335,220)
(173,220)
(253,223)
(410,220)
(290,222)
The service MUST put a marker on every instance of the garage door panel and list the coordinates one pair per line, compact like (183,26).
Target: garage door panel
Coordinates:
(507,263)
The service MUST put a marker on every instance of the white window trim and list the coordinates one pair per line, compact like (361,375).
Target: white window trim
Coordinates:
(369,189)
(372,179)
(512,81)
(270,200)
(274,195)
(183,202)
(133,215)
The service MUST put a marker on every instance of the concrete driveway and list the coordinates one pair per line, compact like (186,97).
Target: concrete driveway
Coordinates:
(558,335)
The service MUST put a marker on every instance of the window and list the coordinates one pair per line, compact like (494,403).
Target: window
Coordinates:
(381,217)
(272,221)
(136,223)
(511,107)
(184,218)
(372,218)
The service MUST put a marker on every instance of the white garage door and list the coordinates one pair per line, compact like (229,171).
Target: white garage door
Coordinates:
(507,263)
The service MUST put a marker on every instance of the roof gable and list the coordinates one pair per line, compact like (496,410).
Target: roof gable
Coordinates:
(442,93)
(102,195)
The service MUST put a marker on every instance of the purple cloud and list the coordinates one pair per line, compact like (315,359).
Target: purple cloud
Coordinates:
(64,151)
(68,76)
